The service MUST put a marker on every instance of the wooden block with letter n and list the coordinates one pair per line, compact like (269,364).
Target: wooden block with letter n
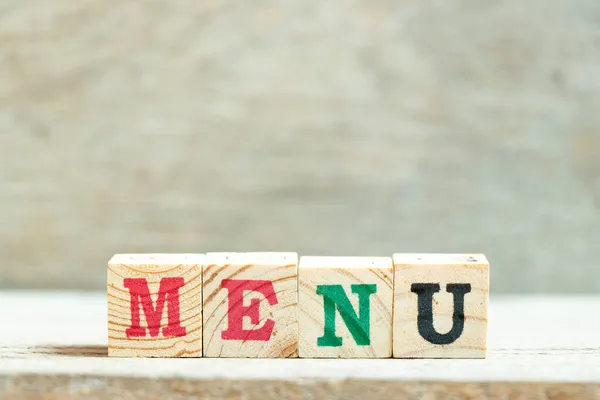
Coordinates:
(345,307)
(155,305)
(440,305)
(250,305)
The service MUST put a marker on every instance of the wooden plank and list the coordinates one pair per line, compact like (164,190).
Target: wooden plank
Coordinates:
(56,343)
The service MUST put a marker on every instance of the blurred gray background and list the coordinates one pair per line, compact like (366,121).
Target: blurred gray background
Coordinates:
(323,127)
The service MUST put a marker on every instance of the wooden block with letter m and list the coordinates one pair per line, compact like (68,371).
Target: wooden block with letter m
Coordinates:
(155,305)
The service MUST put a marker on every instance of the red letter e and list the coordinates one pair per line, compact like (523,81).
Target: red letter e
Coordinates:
(237,310)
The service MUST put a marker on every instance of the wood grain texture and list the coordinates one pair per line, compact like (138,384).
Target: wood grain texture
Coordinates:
(441,269)
(274,271)
(313,272)
(312,105)
(36,387)
(154,268)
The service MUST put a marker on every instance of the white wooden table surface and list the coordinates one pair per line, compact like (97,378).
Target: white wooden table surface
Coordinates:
(53,345)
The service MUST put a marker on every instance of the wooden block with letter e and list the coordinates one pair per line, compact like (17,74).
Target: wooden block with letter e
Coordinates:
(250,305)
(440,305)
(155,305)
(345,307)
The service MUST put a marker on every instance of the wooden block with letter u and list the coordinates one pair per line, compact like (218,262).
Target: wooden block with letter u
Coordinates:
(155,305)
(250,305)
(345,307)
(440,305)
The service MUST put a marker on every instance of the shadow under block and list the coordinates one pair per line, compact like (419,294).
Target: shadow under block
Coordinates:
(155,305)
(345,307)
(440,305)
(250,305)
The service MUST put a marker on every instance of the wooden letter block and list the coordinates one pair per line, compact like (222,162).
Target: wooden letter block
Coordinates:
(155,305)
(345,307)
(440,305)
(250,305)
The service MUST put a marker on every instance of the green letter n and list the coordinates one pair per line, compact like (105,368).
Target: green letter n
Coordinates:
(334,297)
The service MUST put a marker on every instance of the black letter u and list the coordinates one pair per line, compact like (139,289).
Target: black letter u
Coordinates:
(425,292)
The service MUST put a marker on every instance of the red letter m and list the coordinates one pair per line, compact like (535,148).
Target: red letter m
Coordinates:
(169,292)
